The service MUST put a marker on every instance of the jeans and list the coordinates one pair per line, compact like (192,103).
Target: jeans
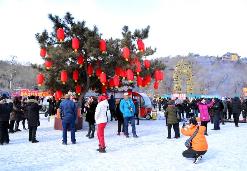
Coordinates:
(190,153)
(126,125)
(101,134)
(66,124)
(32,133)
(217,121)
(4,135)
(175,128)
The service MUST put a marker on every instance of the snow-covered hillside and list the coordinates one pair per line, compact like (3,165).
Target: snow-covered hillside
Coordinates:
(151,151)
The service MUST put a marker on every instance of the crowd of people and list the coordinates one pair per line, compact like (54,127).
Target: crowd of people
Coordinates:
(126,112)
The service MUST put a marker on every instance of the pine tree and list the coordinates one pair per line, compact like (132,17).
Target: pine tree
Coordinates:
(63,57)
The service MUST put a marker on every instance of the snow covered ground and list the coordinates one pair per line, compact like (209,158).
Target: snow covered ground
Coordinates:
(151,151)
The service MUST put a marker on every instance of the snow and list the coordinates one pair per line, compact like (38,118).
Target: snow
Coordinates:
(151,151)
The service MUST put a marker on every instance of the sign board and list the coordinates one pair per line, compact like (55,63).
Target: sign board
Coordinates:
(27,92)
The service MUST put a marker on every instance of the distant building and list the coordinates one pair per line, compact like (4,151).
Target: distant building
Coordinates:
(231,57)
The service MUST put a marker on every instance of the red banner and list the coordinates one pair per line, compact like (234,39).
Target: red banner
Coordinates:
(26,92)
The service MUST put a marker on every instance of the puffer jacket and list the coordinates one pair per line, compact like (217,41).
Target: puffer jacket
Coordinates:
(5,110)
(33,113)
(236,106)
(100,112)
(203,108)
(171,114)
(68,110)
(126,106)
(199,142)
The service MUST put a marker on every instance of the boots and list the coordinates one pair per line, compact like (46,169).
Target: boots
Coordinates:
(89,131)
(17,126)
(101,150)
(92,133)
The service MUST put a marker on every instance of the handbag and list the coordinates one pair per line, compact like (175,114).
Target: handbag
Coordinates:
(189,140)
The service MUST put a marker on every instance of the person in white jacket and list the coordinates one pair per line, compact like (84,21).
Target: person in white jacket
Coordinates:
(101,120)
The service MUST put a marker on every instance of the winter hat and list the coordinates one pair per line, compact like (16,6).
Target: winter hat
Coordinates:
(193,121)
(102,98)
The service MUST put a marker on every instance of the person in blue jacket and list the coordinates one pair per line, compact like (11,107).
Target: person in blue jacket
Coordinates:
(127,108)
(68,116)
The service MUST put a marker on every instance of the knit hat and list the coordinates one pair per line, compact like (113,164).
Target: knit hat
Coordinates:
(102,98)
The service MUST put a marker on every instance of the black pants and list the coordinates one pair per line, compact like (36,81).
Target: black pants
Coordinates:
(229,114)
(120,125)
(223,116)
(91,130)
(217,121)
(4,135)
(112,113)
(205,123)
(32,133)
(236,118)
(175,128)
(17,125)
(190,153)
(23,123)
(137,118)
(11,125)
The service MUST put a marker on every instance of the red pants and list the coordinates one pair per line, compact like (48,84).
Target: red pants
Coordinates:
(100,134)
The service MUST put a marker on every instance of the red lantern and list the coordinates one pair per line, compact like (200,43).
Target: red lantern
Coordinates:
(139,81)
(103,78)
(138,67)
(148,78)
(103,89)
(64,76)
(116,81)
(58,94)
(140,45)
(90,70)
(130,75)
(111,83)
(102,46)
(162,75)
(80,60)
(147,64)
(75,43)
(156,85)
(78,89)
(48,64)
(118,71)
(126,53)
(60,34)
(43,52)
(75,75)
(123,73)
(98,72)
(40,79)
(157,75)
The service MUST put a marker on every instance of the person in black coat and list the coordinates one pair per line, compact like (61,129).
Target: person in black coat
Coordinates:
(136,103)
(217,110)
(112,107)
(90,108)
(33,108)
(120,118)
(229,108)
(236,110)
(18,112)
(5,110)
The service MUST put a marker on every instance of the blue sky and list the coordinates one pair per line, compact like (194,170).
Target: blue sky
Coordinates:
(207,27)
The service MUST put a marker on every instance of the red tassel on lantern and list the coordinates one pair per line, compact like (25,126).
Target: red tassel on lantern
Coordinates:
(80,60)
(147,64)
(48,64)
(75,44)
(75,75)
(64,76)
(90,70)
(116,81)
(156,85)
(43,52)
(60,34)
(126,53)
(40,79)
(130,75)
(103,78)
(140,45)
(78,89)
(102,46)
(98,72)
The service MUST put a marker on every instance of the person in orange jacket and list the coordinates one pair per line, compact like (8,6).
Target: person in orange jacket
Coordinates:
(199,145)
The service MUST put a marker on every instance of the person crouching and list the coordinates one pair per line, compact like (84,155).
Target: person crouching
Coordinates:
(199,145)
(101,120)
(33,118)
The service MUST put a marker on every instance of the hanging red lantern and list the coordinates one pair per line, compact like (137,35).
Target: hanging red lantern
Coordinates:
(148,78)
(43,52)
(147,64)
(156,85)
(80,60)
(75,75)
(162,75)
(103,89)
(157,75)
(102,46)
(140,45)
(130,75)
(111,83)
(64,76)
(118,71)
(40,79)
(126,53)
(78,89)
(60,34)
(123,73)
(75,44)
(58,94)
(103,78)
(116,81)
(138,67)
(139,81)
(48,64)
(98,72)
(90,70)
